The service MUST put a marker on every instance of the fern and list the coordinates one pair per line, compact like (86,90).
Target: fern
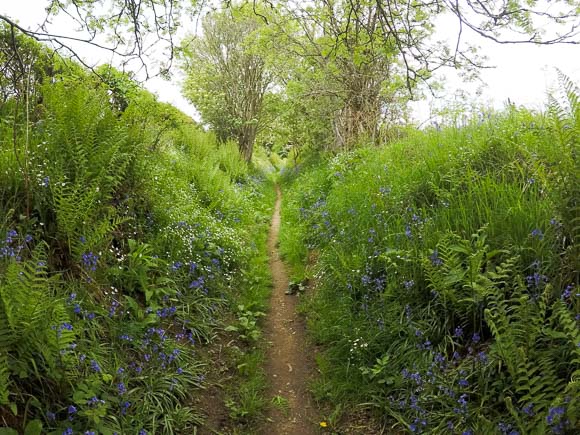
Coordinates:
(564,111)
(31,319)
(529,341)
(4,378)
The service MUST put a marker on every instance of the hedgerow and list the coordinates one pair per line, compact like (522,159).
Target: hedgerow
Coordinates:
(447,295)
(126,234)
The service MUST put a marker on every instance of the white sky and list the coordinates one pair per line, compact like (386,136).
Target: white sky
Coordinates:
(522,72)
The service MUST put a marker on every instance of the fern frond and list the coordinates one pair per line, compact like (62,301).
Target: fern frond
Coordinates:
(4,378)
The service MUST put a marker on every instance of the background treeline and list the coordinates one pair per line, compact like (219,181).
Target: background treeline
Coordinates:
(446,275)
(125,233)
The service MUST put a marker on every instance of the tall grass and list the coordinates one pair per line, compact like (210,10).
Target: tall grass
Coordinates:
(124,243)
(446,294)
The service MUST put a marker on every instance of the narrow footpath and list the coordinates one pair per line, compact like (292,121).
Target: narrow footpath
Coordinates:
(290,362)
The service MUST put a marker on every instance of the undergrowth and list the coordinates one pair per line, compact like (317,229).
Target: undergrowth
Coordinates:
(447,296)
(127,235)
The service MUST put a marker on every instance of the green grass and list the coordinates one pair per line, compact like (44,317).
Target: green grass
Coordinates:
(246,394)
(447,241)
(127,244)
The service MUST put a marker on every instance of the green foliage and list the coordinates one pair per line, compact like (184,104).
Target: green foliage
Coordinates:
(446,293)
(127,233)
(225,78)
(247,324)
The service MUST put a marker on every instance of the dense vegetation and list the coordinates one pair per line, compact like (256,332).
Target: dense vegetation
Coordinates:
(447,293)
(126,234)
(444,261)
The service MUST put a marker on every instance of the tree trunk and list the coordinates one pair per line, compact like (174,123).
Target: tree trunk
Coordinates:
(246,140)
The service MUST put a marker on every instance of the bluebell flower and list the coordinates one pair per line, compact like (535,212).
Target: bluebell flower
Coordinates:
(68,431)
(95,401)
(90,260)
(458,332)
(482,357)
(124,407)
(95,366)
(537,233)
(365,279)
(476,338)
(439,358)
(416,377)
(113,309)
(528,410)
(384,190)
(197,283)
(567,293)
(554,414)
(536,279)
(434,257)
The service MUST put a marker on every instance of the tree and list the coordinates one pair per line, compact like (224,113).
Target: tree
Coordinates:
(337,67)
(357,62)
(226,79)
(134,31)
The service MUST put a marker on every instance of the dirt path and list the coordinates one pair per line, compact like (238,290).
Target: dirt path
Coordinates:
(290,362)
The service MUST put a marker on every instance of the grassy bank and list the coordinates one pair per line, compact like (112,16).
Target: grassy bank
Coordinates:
(447,296)
(129,236)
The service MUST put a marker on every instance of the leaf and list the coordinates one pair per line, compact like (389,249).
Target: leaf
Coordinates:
(7,431)
(107,377)
(33,427)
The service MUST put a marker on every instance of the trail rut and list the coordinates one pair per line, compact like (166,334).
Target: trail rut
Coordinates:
(290,361)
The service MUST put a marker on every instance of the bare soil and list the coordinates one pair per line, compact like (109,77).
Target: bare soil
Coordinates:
(290,359)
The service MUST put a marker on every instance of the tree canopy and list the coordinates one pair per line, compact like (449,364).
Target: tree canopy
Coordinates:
(339,71)
(226,79)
